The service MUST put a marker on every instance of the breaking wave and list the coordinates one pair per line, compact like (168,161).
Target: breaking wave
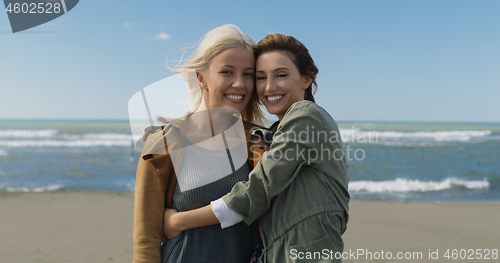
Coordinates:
(407,185)
(51,138)
(418,138)
(31,189)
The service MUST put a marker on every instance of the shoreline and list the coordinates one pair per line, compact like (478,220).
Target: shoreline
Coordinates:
(97,227)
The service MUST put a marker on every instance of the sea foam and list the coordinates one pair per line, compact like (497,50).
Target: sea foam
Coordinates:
(417,138)
(61,143)
(47,133)
(31,189)
(408,185)
(71,140)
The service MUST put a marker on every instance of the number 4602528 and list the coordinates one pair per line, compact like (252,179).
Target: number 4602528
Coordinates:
(471,254)
(25,8)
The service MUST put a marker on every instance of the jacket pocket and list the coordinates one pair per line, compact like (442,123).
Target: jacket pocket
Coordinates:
(315,251)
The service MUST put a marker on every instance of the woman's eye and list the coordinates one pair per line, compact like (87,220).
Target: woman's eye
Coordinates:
(282,75)
(261,77)
(248,74)
(225,72)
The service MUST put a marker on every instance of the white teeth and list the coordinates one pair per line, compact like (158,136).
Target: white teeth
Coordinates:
(274,98)
(234,97)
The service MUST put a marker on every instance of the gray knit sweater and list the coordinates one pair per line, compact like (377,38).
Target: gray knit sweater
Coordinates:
(209,244)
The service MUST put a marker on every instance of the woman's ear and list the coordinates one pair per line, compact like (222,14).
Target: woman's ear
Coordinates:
(201,81)
(307,81)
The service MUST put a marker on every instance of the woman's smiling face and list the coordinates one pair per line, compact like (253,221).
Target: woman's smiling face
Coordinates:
(230,79)
(279,83)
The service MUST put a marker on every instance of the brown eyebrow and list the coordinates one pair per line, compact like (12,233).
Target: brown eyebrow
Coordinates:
(278,69)
(230,66)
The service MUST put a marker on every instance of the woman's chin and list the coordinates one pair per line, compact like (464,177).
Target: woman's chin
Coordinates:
(237,109)
(273,111)
(231,106)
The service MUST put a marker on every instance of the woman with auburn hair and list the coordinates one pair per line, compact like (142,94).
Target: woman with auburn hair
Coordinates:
(298,190)
(202,155)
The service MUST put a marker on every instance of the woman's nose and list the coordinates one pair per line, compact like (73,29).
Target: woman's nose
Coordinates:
(270,85)
(239,82)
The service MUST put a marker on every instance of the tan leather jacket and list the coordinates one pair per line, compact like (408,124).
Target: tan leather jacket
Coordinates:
(155,184)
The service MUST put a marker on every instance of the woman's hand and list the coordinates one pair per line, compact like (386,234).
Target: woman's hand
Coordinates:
(170,224)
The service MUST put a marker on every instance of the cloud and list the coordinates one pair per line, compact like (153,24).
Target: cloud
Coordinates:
(128,24)
(161,36)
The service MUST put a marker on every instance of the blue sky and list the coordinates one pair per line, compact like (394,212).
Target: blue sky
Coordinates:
(377,60)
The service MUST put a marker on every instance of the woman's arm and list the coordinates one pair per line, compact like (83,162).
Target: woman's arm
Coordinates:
(175,222)
(272,175)
(149,201)
(295,145)
(217,212)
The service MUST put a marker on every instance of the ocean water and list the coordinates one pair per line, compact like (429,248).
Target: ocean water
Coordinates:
(37,156)
(396,161)
(423,161)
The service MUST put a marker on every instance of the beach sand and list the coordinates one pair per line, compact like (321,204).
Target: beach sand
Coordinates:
(417,227)
(66,227)
(97,227)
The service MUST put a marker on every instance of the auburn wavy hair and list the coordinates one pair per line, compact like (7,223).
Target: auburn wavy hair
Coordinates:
(296,51)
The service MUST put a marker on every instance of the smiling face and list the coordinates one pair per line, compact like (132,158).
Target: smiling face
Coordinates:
(279,83)
(229,81)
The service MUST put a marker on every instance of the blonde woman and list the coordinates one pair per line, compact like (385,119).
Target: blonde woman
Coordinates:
(201,156)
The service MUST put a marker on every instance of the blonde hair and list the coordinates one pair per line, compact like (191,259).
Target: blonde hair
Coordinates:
(214,42)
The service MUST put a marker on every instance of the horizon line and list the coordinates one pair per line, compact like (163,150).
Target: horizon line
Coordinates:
(339,121)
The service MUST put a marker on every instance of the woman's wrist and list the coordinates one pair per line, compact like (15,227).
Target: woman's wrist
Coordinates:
(178,222)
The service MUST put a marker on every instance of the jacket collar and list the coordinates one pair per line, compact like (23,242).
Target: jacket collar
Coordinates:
(180,124)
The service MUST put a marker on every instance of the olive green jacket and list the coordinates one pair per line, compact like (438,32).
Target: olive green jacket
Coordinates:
(298,190)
